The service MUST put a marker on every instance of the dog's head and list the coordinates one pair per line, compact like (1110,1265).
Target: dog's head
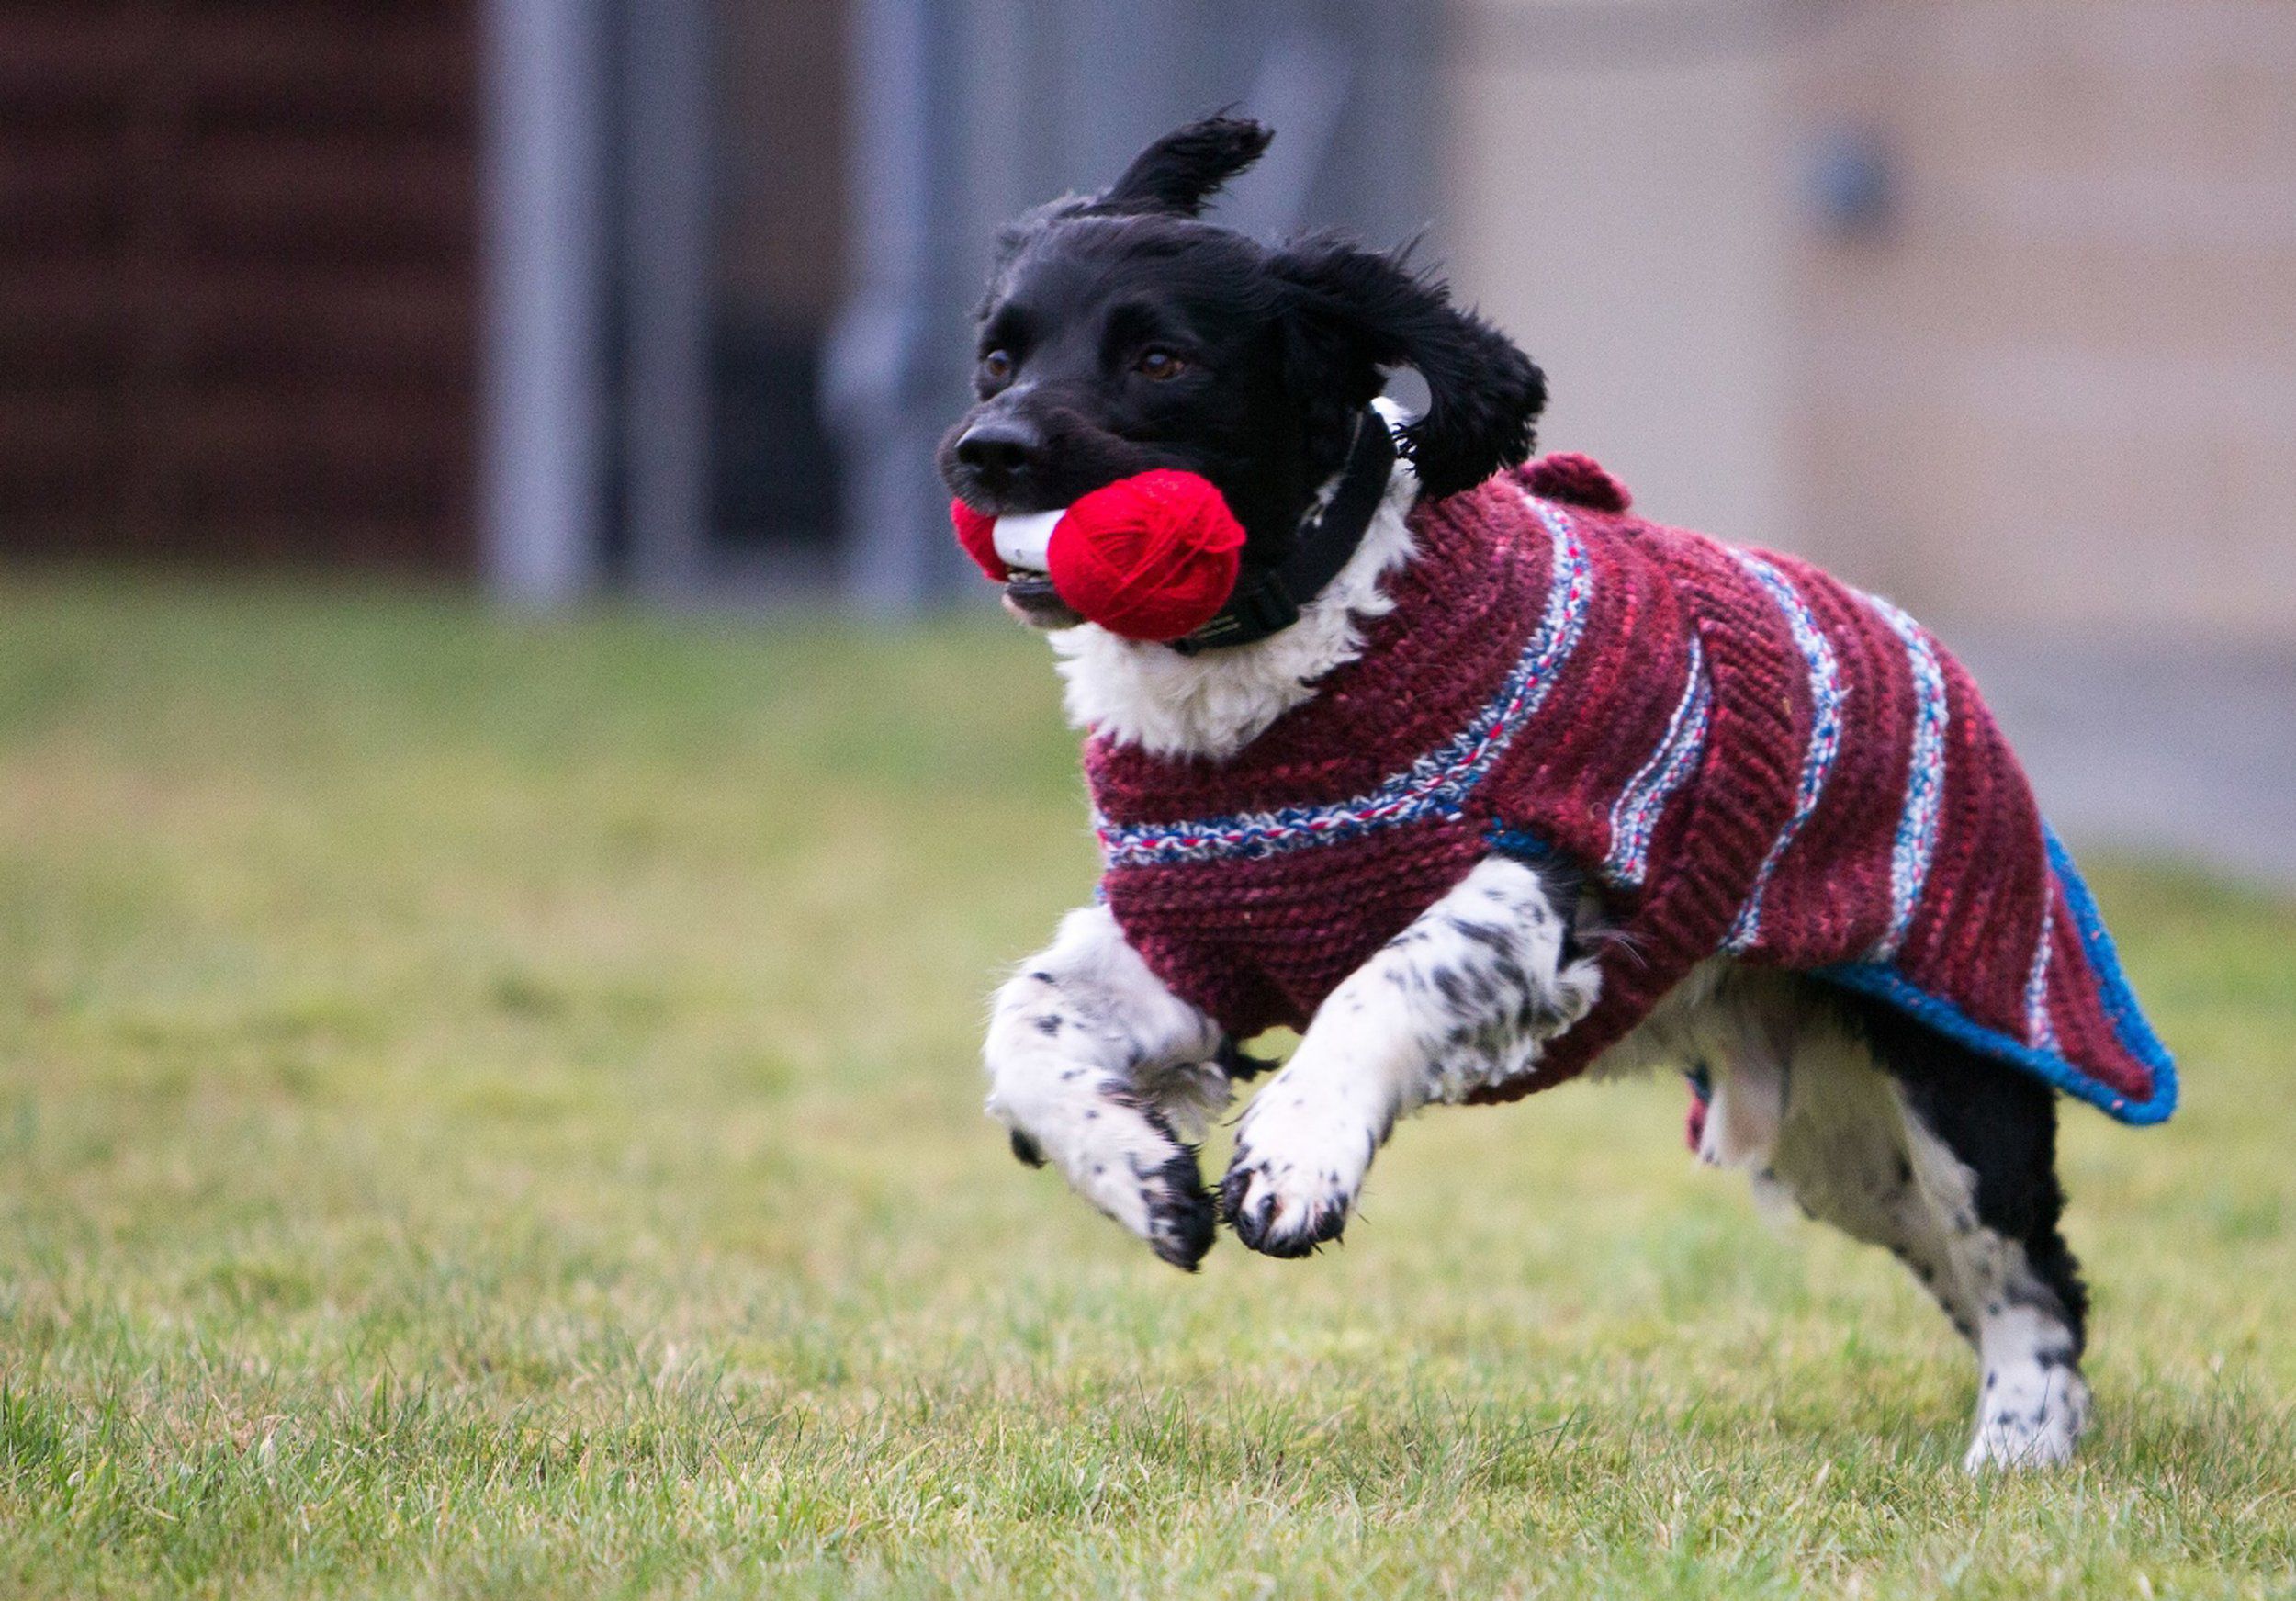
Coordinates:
(1121,333)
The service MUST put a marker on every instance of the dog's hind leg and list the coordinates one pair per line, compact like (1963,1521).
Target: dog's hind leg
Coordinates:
(1464,996)
(1904,1138)
(1094,1065)
(2026,1298)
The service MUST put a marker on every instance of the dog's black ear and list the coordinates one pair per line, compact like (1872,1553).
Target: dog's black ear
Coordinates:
(1372,314)
(1178,173)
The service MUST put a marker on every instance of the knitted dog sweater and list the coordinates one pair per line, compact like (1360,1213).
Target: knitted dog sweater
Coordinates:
(1746,754)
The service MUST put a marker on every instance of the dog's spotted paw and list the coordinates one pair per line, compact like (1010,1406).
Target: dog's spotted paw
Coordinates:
(1122,1156)
(1183,1220)
(2031,1417)
(1297,1168)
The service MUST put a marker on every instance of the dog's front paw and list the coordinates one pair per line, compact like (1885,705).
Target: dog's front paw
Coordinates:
(1132,1165)
(1297,1168)
(1183,1219)
(1122,1156)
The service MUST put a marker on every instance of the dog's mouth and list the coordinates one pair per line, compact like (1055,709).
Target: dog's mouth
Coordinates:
(1030,597)
(1024,540)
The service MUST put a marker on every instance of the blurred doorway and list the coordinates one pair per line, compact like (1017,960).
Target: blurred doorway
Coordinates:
(781,276)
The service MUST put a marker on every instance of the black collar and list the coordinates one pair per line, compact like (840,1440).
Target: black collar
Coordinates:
(1270,601)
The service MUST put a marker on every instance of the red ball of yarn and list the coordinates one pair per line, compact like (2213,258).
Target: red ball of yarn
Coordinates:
(976,532)
(1151,557)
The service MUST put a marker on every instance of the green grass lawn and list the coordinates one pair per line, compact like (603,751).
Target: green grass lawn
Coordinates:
(491,1107)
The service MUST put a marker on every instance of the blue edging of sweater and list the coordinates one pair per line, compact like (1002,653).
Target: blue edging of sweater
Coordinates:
(2135,1034)
(1884,983)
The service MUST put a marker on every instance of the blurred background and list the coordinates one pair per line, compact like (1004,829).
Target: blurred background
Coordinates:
(510,802)
(1988,304)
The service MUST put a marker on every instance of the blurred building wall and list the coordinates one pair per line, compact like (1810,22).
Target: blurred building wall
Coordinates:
(237,302)
(1619,202)
(1990,304)
(2054,384)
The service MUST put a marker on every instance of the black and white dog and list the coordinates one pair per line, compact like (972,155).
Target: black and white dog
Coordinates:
(1122,334)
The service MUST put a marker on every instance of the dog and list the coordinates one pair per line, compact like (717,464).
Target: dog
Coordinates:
(1122,334)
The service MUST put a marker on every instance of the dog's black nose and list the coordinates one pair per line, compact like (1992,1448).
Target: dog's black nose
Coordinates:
(1001,447)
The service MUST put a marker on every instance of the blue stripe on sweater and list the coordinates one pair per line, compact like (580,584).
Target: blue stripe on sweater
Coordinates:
(1915,843)
(1826,696)
(1438,784)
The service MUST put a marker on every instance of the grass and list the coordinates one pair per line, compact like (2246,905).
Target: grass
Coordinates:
(490,1108)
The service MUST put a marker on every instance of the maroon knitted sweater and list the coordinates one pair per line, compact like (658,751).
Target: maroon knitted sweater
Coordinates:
(1748,755)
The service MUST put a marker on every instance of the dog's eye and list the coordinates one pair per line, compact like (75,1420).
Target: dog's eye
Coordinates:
(997,366)
(1160,365)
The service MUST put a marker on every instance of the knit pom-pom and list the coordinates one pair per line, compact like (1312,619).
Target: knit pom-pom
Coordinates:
(977,532)
(1578,480)
(1152,556)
